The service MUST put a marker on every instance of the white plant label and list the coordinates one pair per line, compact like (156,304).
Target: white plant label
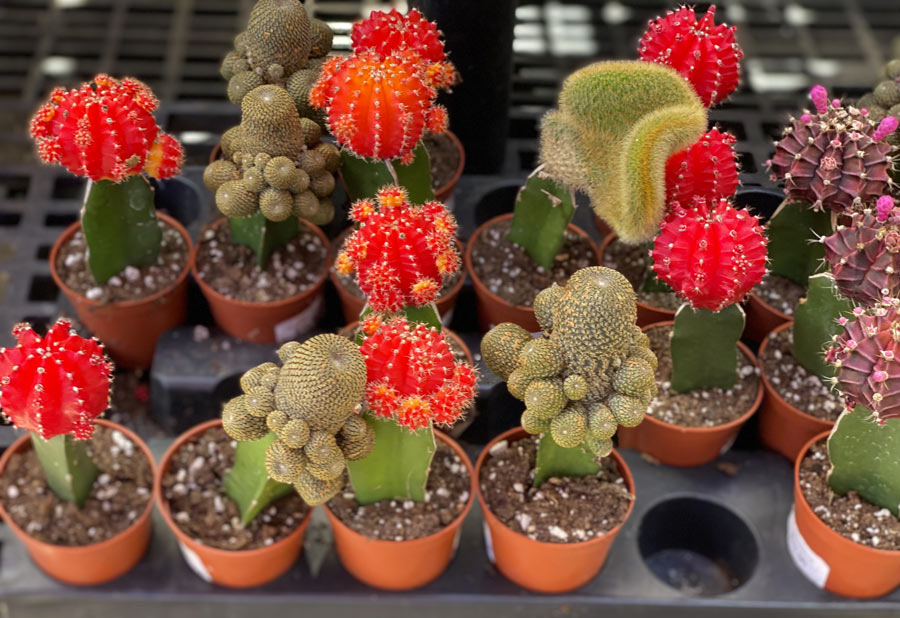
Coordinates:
(809,562)
(194,562)
(288,329)
(489,543)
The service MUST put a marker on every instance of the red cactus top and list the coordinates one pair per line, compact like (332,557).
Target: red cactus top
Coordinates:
(387,33)
(704,53)
(710,255)
(401,252)
(707,169)
(105,130)
(54,385)
(412,376)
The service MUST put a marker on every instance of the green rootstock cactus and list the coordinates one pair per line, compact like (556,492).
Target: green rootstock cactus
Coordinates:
(816,321)
(792,232)
(592,369)
(616,126)
(310,404)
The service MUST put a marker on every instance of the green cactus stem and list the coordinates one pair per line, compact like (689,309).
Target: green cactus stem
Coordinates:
(704,348)
(248,483)
(120,226)
(816,323)
(364,177)
(865,458)
(543,209)
(555,461)
(68,468)
(792,232)
(262,235)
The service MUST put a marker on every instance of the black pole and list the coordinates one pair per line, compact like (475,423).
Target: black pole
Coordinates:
(478,35)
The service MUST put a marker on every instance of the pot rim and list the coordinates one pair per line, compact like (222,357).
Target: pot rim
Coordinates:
(481,288)
(604,245)
(489,516)
(743,418)
(74,227)
(24,440)
(754,297)
(209,291)
(800,501)
(454,524)
(182,537)
(450,184)
(770,390)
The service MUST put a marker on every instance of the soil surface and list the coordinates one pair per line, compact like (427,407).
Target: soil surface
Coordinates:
(780,293)
(508,271)
(444,158)
(194,489)
(118,498)
(632,261)
(850,515)
(231,269)
(132,283)
(794,383)
(446,495)
(703,408)
(562,510)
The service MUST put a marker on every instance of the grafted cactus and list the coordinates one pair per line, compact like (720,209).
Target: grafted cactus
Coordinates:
(708,169)
(592,369)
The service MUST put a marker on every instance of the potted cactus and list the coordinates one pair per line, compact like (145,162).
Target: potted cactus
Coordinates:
(123,266)
(835,163)
(589,372)
(74,489)
(885,97)
(711,255)
(262,270)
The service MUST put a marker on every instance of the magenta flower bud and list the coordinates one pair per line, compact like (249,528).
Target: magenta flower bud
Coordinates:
(888,125)
(819,97)
(883,207)
(805,118)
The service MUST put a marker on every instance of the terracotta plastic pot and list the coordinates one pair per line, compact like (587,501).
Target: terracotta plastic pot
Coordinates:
(544,567)
(492,309)
(352,305)
(278,320)
(762,319)
(832,561)
(402,565)
(234,569)
(129,329)
(444,192)
(462,344)
(87,565)
(602,228)
(646,314)
(782,427)
(675,445)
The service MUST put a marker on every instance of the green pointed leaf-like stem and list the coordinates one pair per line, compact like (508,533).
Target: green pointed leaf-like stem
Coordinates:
(543,209)
(248,483)
(704,348)
(792,232)
(263,236)
(120,226)
(397,468)
(865,458)
(364,177)
(816,322)
(69,470)
(555,460)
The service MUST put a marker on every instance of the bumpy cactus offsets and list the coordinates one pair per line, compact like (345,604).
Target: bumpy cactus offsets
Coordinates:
(412,376)
(401,253)
(704,53)
(105,130)
(311,405)
(616,127)
(865,255)
(837,158)
(708,169)
(591,371)
(711,254)
(884,100)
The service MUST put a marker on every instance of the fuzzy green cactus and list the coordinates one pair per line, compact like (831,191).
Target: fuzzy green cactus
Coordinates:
(617,125)
(591,371)
(306,411)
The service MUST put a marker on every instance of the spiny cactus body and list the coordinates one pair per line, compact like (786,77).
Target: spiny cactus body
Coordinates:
(837,158)
(707,169)
(105,130)
(705,54)
(711,254)
(591,371)
(56,384)
(401,253)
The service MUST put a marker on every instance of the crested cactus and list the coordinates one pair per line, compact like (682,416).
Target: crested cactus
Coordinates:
(705,54)
(835,159)
(590,371)
(55,386)
(708,168)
